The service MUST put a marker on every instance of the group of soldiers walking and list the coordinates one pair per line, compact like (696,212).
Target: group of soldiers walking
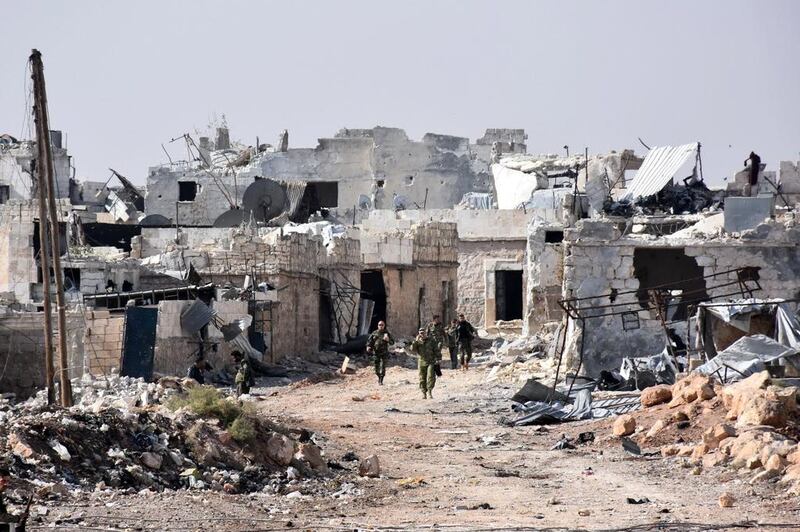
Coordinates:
(428,344)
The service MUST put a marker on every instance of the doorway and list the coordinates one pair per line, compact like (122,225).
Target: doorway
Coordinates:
(373,289)
(508,294)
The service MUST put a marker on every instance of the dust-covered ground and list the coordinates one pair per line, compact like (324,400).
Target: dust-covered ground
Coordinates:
(446,464)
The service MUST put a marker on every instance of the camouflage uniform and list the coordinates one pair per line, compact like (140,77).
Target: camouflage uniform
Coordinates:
(452,345)
(244,377)
(428,352)
(436,332)
(380,351)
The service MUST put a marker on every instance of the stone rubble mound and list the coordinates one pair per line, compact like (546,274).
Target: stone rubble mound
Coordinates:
(127,434)
(758,433)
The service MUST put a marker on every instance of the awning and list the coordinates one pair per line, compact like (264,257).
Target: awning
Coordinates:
(659,167)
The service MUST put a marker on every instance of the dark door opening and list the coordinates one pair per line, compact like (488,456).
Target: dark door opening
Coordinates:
(373,288)
(669,270)
(325,313)
(72,279)
(318,196)
(508,294)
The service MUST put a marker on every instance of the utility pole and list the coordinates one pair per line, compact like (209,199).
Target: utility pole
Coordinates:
(43,133)
(44,261)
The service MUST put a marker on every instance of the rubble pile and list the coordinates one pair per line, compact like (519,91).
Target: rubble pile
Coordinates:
(135,435)
(519,359)
(751,426)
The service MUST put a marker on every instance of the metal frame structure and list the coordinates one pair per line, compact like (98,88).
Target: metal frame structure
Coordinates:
(580,309)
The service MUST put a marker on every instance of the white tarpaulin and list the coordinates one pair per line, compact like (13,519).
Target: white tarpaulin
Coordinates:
(750,354)
(747,355)
(659,167)
(515,187)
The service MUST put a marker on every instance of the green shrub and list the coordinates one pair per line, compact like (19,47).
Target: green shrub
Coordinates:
(242,429)
(208,401)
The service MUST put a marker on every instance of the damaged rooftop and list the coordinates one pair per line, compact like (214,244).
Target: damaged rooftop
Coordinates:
(380,328)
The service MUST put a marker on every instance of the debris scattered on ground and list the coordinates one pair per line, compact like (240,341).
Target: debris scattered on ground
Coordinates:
(127,434)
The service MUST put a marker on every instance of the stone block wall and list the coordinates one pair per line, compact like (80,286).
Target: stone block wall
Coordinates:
(544,276)
(296,316)
(435,243)
(473,296)
(413,296)
(103,341)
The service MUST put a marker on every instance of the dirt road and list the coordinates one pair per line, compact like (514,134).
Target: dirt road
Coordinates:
(448,464)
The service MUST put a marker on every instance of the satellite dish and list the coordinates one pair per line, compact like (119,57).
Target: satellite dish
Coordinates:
(155,220)
(232,218)
(265,198)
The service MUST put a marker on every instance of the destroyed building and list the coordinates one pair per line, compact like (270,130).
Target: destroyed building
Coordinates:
(347,175)
(400,230)
(615,271)
(18,166)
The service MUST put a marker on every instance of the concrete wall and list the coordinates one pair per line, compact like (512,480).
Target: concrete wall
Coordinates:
(509,224)
(18,269)
(22,362)
(597,260)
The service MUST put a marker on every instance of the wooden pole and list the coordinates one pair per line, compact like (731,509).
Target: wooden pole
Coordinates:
(40,96)
(44,260)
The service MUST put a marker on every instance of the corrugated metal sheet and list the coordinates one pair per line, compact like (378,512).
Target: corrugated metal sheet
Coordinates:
(658,168)
(196,316)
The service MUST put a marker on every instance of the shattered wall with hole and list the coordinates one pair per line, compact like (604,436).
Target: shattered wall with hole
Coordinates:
(598,259)
(378,163)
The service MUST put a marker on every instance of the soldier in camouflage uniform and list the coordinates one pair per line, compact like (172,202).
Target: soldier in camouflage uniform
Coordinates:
(452,343)
(427,350)
(465,332)
(378,346)
(435,330)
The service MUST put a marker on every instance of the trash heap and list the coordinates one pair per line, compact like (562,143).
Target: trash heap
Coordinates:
(128,434)
(752,426)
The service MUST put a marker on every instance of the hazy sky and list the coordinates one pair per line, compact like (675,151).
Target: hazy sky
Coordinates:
(123,77)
